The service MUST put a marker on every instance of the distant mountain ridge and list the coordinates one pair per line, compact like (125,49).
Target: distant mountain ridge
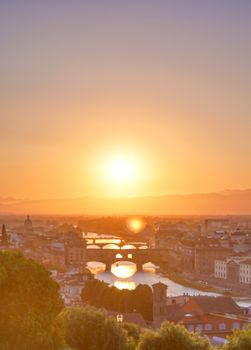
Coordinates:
(229,202)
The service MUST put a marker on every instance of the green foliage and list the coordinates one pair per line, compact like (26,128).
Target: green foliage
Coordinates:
(240,340)
(99,294)
(172,337)
(91,329)
(29,305)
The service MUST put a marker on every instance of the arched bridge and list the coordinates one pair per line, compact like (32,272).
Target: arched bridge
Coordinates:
(159,257)
(99,244)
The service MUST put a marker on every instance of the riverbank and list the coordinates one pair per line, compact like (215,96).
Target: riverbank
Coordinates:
(177,278)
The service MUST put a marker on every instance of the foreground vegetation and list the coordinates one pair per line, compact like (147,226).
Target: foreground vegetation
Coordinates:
(32,317)
(101,295)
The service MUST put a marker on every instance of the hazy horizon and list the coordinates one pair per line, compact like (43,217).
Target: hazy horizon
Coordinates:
(237,202)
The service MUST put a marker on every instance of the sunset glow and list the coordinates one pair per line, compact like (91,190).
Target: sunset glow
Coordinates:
(135,225)
(123,100)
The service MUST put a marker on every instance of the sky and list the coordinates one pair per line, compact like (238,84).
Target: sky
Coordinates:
(163,86)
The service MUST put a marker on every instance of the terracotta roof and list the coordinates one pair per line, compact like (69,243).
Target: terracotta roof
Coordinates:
(219,304)
(174,313)
(246,262)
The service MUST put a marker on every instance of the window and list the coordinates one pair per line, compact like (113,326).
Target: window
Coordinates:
(236,325)
(208,327)
(245,326)
(222,326)
(199,327)
(190,328)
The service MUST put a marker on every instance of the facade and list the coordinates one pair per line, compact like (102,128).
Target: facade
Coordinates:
(205,257)
(234,270)
(75,252)
(186,249)
(220,269)
(245,271)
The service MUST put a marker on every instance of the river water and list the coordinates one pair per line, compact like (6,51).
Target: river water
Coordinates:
(150,276)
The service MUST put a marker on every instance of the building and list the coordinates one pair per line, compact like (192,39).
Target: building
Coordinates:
(238,237)
(245,271)
(220,269)
(28,225)
(205,257)
(75,251)
(211,316)
(159,303)
(72,285)
(212,225)
(186,249)
(235,270)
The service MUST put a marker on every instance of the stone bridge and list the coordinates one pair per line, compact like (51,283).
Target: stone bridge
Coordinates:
(160,257)
(98,244)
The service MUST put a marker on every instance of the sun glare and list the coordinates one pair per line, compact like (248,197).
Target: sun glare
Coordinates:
(135,225)
(120,169)
(119,174)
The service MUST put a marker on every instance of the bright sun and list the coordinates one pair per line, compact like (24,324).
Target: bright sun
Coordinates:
(119,174)
(121,170)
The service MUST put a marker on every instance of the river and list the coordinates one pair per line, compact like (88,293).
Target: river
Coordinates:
(150,276)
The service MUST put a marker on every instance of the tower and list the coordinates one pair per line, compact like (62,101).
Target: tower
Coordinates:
(28,224)
(159,303)
(4,236)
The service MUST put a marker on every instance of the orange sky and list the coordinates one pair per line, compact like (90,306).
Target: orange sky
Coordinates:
(165,85)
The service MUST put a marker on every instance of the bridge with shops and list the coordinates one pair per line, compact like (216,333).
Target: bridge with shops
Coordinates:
(159,257)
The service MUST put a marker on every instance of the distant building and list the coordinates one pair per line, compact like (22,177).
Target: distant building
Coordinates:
(235,270)
(205,257)
(75,251)
(245,271)
(4,237)
(214,224)
(28,224)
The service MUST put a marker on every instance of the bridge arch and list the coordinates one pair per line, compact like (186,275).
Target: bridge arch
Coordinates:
(92,246)
(96,266)
(143,247)
(111,246)
(128,246)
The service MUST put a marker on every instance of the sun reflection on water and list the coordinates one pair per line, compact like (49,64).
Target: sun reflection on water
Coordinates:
(131,285)
(124,269)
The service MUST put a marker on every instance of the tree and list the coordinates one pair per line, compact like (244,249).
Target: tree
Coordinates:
(240,340)
(100,294)
(91,329)
(172,337)
(143,301)
(29,305)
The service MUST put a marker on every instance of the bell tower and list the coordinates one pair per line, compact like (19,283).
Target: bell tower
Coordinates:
(159,303)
